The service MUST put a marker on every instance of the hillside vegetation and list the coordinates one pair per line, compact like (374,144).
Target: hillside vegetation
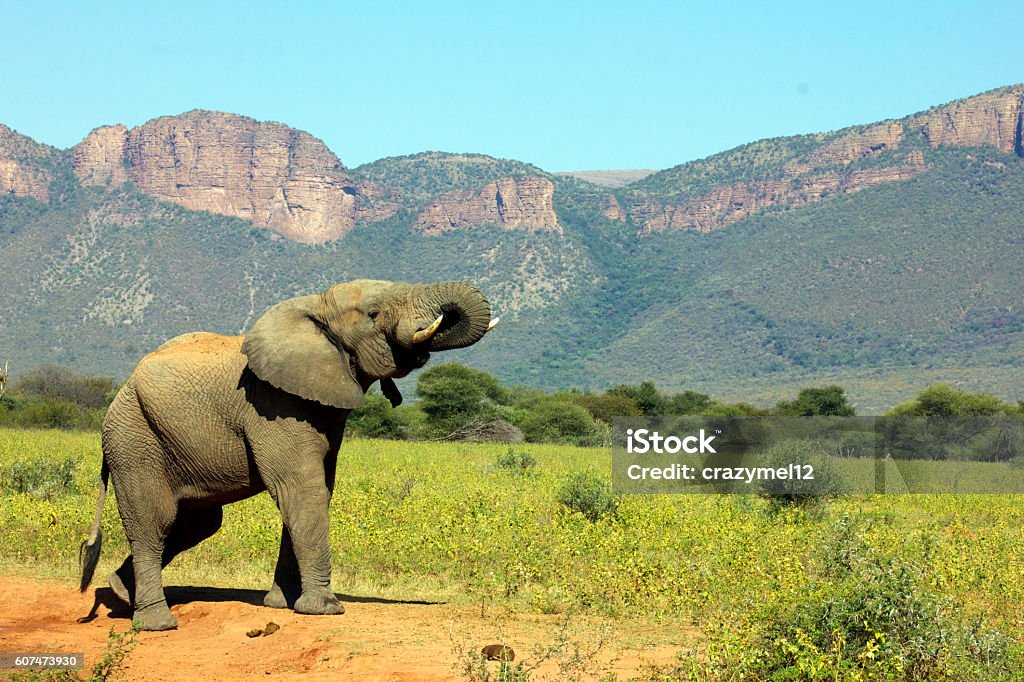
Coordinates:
(885,290)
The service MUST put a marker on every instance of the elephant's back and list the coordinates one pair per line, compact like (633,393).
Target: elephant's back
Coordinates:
(200,342)
(208,365)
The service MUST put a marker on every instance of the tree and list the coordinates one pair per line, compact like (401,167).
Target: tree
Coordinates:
(607,406)
(942,400)
(689,402)
(646,397)
(813,402)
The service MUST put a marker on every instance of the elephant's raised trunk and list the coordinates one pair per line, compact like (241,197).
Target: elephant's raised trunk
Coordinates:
(451,315)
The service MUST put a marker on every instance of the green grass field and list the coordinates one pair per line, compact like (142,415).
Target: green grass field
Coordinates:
(447,522)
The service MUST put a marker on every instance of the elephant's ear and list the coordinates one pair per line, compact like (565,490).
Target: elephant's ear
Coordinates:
(289,349)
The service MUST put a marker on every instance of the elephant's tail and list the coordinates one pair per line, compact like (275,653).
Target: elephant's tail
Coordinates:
(89,552)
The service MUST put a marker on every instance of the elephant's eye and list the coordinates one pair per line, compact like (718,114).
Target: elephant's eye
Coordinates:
(373,313)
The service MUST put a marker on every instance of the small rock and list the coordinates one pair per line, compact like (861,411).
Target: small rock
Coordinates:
(271,628)
(498,652)
(254,633)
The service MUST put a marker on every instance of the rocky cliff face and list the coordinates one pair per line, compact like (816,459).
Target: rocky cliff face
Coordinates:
(276,177)
(730,203)
(101,159)
(23,165)
(289,182)
(993,118)
(510,203)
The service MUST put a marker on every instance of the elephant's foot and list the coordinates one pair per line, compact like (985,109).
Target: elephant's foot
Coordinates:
(122,582)
(155,617)
(318,602)
(275,598)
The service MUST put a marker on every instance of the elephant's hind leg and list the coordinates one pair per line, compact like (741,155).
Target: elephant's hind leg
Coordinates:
(147,505)
(148,510)
(190,528)
(122,581)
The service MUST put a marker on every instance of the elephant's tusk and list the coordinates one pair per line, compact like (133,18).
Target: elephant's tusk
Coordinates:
(425,334)
(493,323)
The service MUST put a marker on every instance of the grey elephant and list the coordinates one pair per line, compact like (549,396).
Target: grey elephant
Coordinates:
(206,420)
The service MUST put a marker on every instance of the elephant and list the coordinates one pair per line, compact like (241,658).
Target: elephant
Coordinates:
(206,420)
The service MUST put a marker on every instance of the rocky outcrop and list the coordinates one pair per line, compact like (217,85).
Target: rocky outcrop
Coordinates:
(993,118)
(852,147)
(276,177)
(510,203)
(100,160)
(22,166)
(730,203)
(612,210)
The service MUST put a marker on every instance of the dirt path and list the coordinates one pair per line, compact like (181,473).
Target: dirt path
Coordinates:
(376,639)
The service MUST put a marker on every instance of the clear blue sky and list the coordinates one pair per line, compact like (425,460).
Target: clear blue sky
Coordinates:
(564,85)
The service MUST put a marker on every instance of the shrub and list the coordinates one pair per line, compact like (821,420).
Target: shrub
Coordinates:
(607,406)
(519,462)
(688,403)
(33,411)
(645,396)
(63,384)
(588,494)
(453,396)
(865,617)
(555,421)
(377,419)
(942,400)
(878,618)
(41,478)
(787,492)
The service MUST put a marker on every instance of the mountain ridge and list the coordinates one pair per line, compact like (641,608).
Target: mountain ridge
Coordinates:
(288,181)
(866,255)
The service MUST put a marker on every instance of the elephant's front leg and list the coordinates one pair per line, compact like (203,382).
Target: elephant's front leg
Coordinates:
(305,510)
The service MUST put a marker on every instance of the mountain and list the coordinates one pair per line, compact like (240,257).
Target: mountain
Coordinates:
(884,256)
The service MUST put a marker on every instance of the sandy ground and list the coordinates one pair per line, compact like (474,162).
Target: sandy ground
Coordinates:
(376,639)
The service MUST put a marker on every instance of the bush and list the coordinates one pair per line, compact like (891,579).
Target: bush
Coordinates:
(453,396)
(689,403)
(865,617)
(556,421)
(377,419)
(48,413)
(518,462)
(588,494)
(645,396)
(607,406)
(788,492)
(41,478)
(942,400)
(67,385)
(494,430)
